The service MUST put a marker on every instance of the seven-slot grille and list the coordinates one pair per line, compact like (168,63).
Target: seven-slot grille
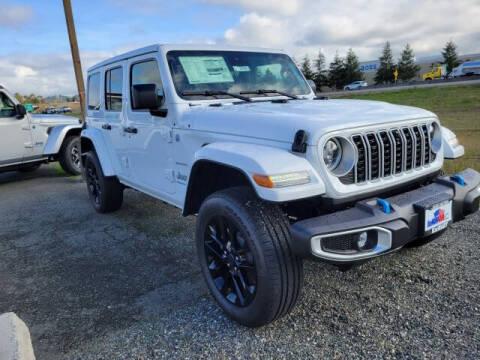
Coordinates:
(389,152)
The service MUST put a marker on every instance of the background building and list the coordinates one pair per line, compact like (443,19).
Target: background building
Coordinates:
(369,68)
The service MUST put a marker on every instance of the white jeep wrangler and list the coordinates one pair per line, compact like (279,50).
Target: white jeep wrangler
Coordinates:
(27,141)
(274,175)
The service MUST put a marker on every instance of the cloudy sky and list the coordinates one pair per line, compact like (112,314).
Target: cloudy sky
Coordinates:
(35,53)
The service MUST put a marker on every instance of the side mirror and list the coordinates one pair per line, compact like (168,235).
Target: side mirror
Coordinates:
(312,85)
(20,110)
(146,97)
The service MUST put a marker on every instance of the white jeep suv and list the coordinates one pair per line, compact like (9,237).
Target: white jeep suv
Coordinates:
(27,140)
(274,175)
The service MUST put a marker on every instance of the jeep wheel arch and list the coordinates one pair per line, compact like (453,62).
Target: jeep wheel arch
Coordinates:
(207,177)
(57,136)
(91,140)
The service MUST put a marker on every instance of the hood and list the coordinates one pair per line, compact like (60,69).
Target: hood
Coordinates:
(50,120)
(280,121)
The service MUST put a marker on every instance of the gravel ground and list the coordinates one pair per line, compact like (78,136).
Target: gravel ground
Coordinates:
(128,286)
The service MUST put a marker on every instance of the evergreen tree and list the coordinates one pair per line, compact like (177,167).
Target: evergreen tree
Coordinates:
(352,68)
(450,57)
(387,67)
(407,69)
(320,62)
(321,78)
(307,68)
(336,74)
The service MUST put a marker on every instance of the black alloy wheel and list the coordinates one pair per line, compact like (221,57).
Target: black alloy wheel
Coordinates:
(93,183)
(76,157)
(230,261)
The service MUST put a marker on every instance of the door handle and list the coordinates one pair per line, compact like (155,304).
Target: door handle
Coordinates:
(107,127)
(130,130)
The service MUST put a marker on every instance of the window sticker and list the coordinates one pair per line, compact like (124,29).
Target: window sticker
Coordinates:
(270,70)
(205,69)
(245,68)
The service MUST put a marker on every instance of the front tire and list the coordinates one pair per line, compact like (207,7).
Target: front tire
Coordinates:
(246,258)
(70,156)
(105,193)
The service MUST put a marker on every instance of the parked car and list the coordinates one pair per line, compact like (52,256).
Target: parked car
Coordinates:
(64,109)
(28,140)
(236,137)
(50,110)
(355,85)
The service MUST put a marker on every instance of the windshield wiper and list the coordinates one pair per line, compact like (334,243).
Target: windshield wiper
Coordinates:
(265,92)
(214,93)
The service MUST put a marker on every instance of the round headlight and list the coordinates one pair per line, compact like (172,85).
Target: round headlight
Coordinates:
(435,134)
(332,153)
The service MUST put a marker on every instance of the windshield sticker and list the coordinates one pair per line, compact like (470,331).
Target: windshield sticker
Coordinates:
(270,71)
(205,69)
(245,68)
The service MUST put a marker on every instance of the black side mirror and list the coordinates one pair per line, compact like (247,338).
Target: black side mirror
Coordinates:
(20,110)
(145,97)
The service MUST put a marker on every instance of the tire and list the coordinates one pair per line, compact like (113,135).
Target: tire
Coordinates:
(426,240)
(105,193)
(70,156)
(29,168)
(250,258)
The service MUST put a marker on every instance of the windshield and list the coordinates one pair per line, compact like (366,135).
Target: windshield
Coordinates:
(234,72)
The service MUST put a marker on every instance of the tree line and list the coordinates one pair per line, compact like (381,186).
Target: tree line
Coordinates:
(345,70)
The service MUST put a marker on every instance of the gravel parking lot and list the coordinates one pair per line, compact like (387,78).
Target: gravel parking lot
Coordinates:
(128,286)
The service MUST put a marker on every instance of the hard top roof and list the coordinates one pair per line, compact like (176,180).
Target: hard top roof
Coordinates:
(169,47)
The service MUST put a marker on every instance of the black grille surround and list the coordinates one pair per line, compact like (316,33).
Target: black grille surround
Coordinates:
(387,152)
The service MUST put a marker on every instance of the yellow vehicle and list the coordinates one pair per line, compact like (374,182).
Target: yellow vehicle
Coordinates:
(437,72)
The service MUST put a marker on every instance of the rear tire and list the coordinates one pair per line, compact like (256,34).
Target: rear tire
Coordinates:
(70,156)
(105,193)
(247,262)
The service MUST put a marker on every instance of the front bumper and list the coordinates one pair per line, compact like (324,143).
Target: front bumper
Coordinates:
(403,224)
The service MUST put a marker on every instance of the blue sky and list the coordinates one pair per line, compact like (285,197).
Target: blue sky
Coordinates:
(35,54)
(108,25)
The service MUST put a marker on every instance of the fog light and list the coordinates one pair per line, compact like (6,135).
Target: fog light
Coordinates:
(362,240)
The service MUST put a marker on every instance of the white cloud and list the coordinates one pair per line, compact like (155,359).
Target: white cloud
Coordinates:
(24,71)
(286,7)
(44,74)
(364,26)
(14,15)
(265,30)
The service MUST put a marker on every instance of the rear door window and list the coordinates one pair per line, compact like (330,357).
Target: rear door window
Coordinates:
(114,89)
(93,100)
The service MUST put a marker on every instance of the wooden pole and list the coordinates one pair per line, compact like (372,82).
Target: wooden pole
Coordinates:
(77,65)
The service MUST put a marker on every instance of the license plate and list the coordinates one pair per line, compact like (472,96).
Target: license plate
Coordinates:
(438,217)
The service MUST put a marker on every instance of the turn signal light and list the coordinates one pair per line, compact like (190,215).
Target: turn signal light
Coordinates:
(282,180)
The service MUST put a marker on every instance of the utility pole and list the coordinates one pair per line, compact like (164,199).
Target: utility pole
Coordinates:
(77,65)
